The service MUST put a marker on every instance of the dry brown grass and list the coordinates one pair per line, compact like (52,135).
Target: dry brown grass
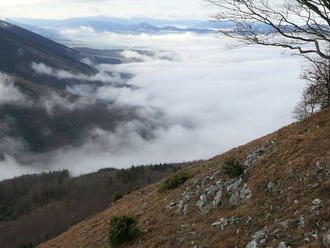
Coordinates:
(291,162)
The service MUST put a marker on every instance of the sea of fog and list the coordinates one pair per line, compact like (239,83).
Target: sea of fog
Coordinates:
(214,95)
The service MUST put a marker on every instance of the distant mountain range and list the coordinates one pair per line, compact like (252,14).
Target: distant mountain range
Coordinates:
(53,29)
(121,25)
(40,113)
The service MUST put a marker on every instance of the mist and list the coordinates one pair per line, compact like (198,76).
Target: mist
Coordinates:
(211,98)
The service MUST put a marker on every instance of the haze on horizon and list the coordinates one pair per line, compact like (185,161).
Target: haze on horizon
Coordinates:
(63,9)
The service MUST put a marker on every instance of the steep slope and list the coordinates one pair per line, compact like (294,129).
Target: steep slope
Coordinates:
(281,200)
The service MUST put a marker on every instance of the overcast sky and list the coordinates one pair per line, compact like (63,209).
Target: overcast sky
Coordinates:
(59,9)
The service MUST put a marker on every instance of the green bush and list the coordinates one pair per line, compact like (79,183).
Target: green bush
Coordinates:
(232,168)
(174,181)
(117,196)
(122,229)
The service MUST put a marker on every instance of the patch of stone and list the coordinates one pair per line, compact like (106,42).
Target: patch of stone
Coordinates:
(212,196)
(256,154)
(211,191)
(223,222)
(238,192)
(315,208)
(316,202)
(171,205)
(301,221)
(271,187)
(258,239)
(284,245)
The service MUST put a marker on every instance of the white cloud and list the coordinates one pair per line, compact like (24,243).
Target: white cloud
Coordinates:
(8,93)
(213,98)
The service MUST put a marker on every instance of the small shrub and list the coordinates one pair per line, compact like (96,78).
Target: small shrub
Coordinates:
(117,196)
(174,181)
(122,229)
(232,168)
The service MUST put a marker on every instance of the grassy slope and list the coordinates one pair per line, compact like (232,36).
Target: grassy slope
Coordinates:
(299,163)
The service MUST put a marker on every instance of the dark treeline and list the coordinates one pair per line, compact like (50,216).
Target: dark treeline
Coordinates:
(35,208)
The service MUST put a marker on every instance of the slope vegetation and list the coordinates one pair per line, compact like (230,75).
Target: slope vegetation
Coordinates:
(281,200)
(35,208)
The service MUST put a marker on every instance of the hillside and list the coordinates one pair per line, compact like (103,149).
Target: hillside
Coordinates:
(281,200)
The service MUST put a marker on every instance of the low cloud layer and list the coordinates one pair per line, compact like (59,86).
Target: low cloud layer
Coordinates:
(212,98)
(8,93)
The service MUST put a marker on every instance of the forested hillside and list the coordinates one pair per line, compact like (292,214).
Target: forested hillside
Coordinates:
(35,208)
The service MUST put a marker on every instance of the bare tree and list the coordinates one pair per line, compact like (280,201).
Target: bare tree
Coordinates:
(317,73)
(300,25)
(307,106)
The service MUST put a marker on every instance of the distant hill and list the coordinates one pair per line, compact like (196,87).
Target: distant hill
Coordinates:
(20,47)
(121,25)
(35,208)
(281,199)
(43,114)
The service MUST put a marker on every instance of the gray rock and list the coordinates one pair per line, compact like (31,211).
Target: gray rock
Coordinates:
(171,205)
(238,192)
(316,202)
(259,238)
(245,193)
(251,158)
(211,191)
(260,235)
(221,183)
(222,223)
(301,221)
(235,186)
(234,198)
(217,199)
(202,202)
(282,245)
(252,244)
(271,187)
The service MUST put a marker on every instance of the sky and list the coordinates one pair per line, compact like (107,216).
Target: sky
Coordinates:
(61,9)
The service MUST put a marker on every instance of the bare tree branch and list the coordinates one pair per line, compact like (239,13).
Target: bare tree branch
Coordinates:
(301,25)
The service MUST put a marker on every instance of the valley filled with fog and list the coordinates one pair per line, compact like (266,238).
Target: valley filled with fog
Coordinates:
(201,95)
